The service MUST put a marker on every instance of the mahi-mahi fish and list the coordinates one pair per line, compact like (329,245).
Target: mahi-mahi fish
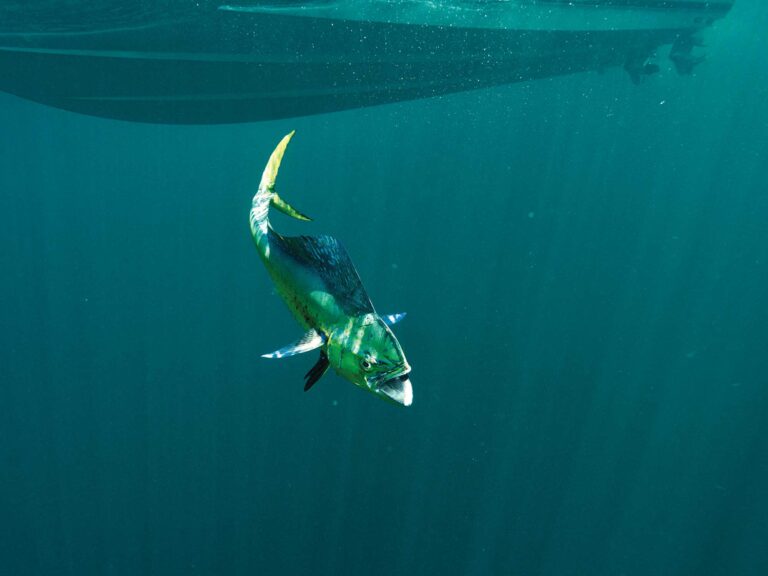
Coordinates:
(317,280)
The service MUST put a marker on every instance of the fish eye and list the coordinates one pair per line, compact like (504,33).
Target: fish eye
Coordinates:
(367,361)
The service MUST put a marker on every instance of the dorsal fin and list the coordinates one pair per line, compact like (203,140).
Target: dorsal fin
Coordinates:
(328,259)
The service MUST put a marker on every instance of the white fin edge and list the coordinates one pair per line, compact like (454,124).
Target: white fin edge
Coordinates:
(392,319)
(312,340)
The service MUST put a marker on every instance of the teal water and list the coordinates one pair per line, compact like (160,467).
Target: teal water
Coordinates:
(584,263)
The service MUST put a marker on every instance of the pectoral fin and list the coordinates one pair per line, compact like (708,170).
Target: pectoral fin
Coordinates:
(392,319)
(316,372)
(310,341)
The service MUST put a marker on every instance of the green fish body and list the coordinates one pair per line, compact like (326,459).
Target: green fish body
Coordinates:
(317,280)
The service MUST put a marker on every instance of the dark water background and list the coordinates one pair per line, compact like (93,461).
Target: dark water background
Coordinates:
(585,267)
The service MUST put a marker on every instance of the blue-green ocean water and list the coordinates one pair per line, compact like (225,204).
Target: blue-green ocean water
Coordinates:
(585,267)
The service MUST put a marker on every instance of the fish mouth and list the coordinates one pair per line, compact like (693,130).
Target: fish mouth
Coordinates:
(397,389)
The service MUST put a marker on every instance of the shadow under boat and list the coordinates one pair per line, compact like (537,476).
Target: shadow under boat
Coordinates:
(208,63)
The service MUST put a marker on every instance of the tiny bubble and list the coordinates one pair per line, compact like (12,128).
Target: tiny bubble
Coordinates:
(531,214)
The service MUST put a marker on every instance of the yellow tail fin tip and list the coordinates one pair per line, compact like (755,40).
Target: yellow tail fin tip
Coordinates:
(270,172)
(286,208)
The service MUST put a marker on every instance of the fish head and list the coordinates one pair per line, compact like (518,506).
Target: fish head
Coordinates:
(366,352)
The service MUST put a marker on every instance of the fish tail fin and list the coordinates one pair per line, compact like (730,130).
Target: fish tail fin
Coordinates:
(266,196)
(259,215)
(269,175)
(286,208)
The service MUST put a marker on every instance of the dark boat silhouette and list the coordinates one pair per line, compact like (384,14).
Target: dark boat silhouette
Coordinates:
(208,62)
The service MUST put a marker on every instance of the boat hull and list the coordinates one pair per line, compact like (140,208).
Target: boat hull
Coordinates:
(250,66)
